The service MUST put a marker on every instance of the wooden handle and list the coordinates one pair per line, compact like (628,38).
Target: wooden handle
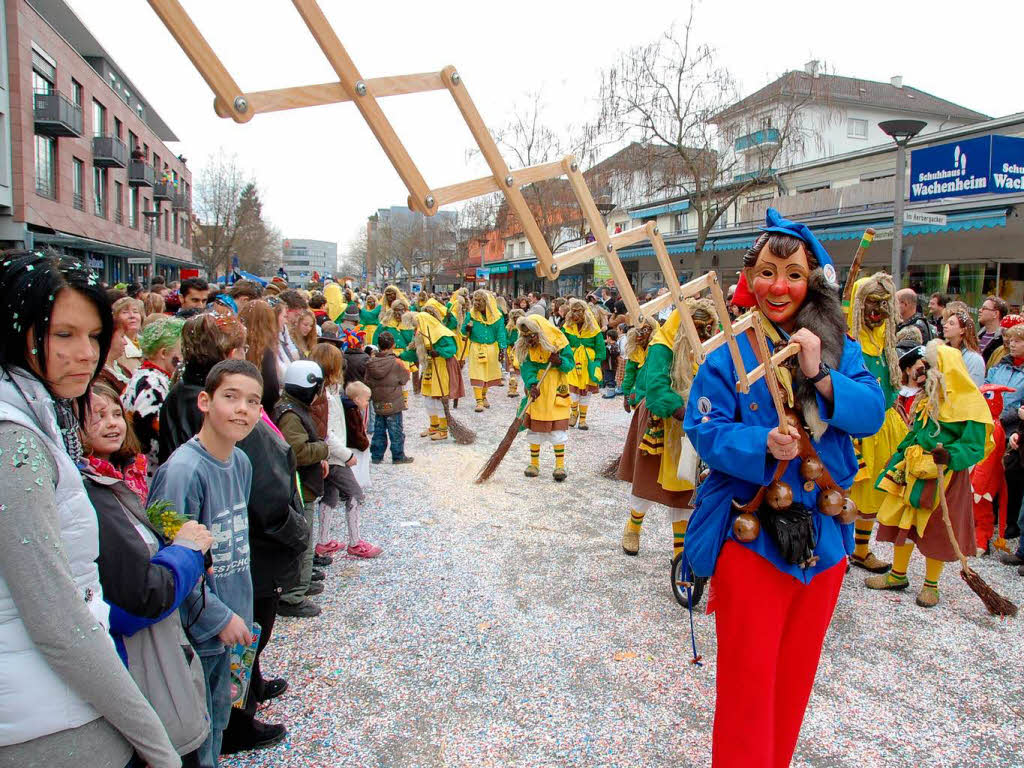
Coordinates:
(865,242)
(945,517)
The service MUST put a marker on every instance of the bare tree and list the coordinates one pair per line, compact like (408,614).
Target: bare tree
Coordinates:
(257,243)
(675,94)
(215,199)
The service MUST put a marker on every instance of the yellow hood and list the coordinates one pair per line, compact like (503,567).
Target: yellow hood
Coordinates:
(493,313)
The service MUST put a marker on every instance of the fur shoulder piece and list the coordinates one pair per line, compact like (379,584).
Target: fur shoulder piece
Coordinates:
(822,313)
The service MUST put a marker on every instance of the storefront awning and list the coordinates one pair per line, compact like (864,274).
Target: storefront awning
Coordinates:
(955,222)
(501,267)
(657,210)
(66,240)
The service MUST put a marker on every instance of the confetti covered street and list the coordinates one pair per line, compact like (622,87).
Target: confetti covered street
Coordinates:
(503,626)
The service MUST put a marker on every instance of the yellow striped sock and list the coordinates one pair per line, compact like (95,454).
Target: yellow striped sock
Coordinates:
(442,425)
(636,519)
(932,572)
(678,536)
(560,456)
(535,455)
(862,538)
(478,393)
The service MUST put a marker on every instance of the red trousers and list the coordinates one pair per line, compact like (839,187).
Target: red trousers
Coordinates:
(770,631)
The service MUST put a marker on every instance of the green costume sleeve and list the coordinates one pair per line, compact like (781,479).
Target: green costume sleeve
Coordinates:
(568,361)
(530,371)
(640,387)
(968,448)
(451,322)
(466,321)
(597,344)
(370,316)
(446,346)
(409,356)
(501,335)
(513,336)
(662,400)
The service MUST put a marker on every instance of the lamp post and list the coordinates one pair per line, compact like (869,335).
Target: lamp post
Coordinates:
(151,216)
(901,131)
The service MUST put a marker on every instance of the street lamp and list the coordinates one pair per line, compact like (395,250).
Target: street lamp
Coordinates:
(900,131)
(151,215)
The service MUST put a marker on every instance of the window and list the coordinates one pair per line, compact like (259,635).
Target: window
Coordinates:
(133,142)
(145,219)
(118,128)
(99,192)
(765,122)
(99,118)
(76,92)
(175,217)
(856,128)
(680,222)
(78,184)
(156,166)
(118,202)
(46,167)
(44,73)
(133,209)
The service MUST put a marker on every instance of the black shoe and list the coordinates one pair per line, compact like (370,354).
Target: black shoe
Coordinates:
(304,610)
(1010,558)
(315,588)
(376,461)
(322,560)
(403,460)
(318,576)
(1011,532)
(261,735)
(1020,570)
(272,689)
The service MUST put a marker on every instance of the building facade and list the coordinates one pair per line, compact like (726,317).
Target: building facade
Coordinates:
(301,258)
(88,154)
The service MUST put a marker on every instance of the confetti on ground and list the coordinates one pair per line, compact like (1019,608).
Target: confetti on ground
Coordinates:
(503,626)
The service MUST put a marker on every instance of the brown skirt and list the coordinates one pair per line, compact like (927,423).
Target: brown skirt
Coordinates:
(456,387)
(641,468)
(935,542)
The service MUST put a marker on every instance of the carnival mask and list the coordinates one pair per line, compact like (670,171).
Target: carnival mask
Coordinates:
(780,285)
(480,304)
(532,339)
(390,294)
(370,302)
(577,317)
(876,309)
(643,335)
(705,325)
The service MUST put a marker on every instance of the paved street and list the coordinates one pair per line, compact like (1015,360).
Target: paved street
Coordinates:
(504,626)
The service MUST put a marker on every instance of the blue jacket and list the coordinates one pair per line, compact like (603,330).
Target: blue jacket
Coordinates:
(1009,375)
(730,432)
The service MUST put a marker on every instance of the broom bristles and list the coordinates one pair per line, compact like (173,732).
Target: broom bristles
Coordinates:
(997,604)
(499,453)
(611,469)
(463,435)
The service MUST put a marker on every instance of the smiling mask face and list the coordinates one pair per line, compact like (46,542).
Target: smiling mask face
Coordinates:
(779,284)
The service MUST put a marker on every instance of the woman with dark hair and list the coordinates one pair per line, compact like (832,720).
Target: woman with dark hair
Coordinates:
(66,695)
(261,325)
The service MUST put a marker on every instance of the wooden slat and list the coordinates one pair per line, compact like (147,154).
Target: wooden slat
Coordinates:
(599,230)
(723,317)
(467,190)
(769,375)
(367,105)
(576,256)
(301,96)
(655,305)
(199,52)
(628,237)
(777,359)
(698,285)
(721,338)
(499,169)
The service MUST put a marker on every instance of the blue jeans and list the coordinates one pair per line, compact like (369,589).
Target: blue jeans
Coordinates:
(217,671)
(385,427)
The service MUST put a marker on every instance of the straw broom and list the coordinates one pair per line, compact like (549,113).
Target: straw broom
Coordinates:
(496,458)
(997,604)
(463,435)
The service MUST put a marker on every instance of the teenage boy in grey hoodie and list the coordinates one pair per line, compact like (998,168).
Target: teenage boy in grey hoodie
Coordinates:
(208,479)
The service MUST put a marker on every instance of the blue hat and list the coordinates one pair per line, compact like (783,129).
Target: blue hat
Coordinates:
(773,222)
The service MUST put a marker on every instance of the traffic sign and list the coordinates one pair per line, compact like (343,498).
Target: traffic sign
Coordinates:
(923,217)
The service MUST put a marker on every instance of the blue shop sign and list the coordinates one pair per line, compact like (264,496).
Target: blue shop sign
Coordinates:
(1007,164)
(951,170)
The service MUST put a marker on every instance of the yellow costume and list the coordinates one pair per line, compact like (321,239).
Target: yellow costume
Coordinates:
(486,332)
(336,303)
(589,350)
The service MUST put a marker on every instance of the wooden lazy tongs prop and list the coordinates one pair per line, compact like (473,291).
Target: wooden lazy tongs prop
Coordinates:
(789,523)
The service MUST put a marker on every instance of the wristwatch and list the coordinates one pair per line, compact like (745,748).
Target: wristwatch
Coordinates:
(823,371)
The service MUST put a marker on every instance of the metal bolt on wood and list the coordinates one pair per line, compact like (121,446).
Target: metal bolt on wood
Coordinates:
(361,88)
(508,181)
(241,105)
(456,78)
(429,201)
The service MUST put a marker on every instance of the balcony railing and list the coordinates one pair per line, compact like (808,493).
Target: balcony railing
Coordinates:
(78,201)
(118,216)
(854,198)
(181,202)
(56,115)
(766,137)
(163,190)
(46,188)
(109,152)
(140,174)
(99,207)
(764,173)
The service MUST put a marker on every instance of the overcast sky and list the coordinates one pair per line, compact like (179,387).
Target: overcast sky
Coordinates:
(322,173)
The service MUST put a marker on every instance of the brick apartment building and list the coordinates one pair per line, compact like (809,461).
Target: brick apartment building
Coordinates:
(82,153)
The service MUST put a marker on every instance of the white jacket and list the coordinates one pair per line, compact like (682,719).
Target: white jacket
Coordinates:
(34,701)
(337,433)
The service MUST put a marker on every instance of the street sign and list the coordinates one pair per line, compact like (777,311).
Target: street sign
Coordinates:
(883,233)
(482,273)
(922,217)
(138,259)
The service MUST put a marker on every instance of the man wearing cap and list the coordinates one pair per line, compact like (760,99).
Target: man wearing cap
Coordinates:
(773,609)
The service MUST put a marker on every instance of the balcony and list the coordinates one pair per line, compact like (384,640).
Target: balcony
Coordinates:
(764,174)
(109,152)
(181,202)
(766,137)
(140,174)
(78,201)
(164,190)
(56,115)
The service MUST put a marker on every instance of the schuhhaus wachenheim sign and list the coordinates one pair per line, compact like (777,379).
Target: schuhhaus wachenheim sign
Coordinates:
(986,164)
